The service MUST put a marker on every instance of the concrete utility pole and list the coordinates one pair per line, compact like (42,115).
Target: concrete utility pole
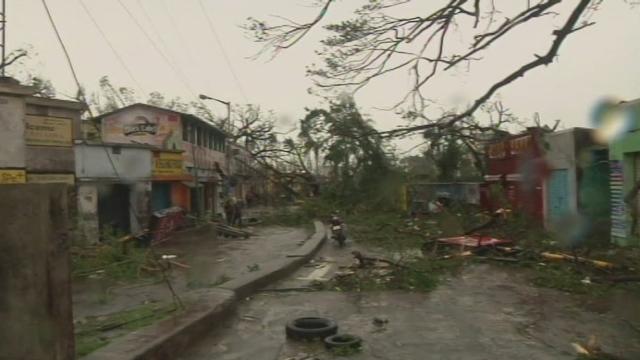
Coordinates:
(3,28)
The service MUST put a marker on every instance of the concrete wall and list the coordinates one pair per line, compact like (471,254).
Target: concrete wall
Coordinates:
(88,222)
(87,219)
(12,148)
(561,154)
(50,159)
(622,150)
(53,159)
(92,162)
(35,284)
(139,206)
(57,108)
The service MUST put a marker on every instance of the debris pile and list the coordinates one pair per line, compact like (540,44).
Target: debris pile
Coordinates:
(449,239)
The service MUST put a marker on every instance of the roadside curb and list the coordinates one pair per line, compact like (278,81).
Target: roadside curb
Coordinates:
(167,338)
(279,268)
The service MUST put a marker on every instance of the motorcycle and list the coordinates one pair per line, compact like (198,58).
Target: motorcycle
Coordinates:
(338,231)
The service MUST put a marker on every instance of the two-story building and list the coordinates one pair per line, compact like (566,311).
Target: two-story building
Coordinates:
(146,159)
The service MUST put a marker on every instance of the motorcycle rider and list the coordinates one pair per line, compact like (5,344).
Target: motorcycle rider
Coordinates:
(337,221)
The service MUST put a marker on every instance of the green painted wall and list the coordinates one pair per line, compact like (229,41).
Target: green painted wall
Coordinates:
(624,149)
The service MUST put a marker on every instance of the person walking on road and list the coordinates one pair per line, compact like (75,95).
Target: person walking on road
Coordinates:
(230,210)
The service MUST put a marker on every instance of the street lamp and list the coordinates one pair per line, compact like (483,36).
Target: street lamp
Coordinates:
(227,103)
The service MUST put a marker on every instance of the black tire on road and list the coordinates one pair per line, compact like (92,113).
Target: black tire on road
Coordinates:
(307,328)
(342,341)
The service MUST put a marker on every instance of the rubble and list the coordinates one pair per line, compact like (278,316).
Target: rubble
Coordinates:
(232,231)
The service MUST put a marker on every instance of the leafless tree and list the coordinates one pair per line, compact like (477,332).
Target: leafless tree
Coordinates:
(376,42)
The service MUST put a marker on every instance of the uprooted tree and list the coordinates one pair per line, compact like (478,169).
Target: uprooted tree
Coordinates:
(387,36)
(361,169)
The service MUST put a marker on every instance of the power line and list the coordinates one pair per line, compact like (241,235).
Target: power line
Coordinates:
(113,49)
(155,32)
(75,78)
(66,54)
(176,29)
(176,70)
(222,49)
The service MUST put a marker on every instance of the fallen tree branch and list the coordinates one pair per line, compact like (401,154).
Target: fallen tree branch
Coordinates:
(364,260)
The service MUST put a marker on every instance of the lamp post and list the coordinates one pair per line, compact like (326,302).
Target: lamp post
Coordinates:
(226,103)
(228,121)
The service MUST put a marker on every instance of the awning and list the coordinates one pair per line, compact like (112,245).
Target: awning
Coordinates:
(514,177)
(191,184)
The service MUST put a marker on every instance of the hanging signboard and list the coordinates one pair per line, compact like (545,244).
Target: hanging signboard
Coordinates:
(48,131)
(167,164)
(13,177)
(51,179)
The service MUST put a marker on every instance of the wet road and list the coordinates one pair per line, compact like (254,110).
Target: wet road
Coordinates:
(486,312)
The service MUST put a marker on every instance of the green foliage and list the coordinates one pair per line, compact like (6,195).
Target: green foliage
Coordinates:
(565,277)
(109,261)
(361,170)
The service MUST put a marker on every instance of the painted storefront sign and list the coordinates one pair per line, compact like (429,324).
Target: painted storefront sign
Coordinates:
(143,126)
(167,164)
(51,178)
(618,209)
(520,144)
(48,131)
(13,177)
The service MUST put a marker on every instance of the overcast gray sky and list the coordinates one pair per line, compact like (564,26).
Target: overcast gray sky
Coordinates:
(600,61)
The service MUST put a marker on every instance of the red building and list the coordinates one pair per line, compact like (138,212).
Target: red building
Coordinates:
(515,174)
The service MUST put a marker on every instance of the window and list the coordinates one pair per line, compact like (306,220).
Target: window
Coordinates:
(200,137)
(211,140)
(116,150)
(185,131)
(192,134)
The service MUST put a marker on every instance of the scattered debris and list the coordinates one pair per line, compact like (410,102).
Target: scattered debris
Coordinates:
(473,241)
(364,261)
(254,267)
(592,350)
(303,288)
(379,321)
(232,231)
(180,265)
(559,256)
